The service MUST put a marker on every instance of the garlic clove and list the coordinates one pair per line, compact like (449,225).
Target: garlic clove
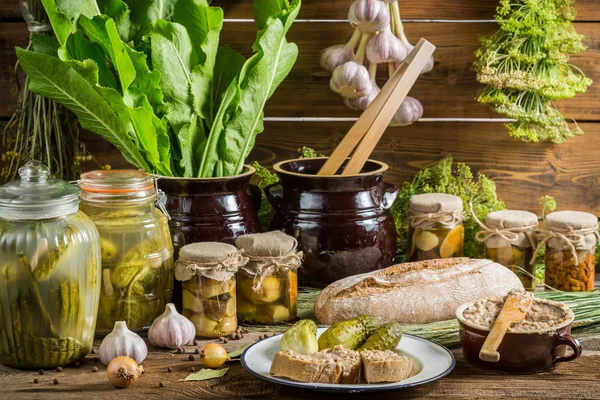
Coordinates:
(334,56)
(351,80)
(369,15)
(171,329)
(409,112)
(385,47)
(122,342)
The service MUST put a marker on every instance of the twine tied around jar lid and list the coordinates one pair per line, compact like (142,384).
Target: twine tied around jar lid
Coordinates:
(515,227)
(267,253)
(213,260)
(572,230)
(425,209)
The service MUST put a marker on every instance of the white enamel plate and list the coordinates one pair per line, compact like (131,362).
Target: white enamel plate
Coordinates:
(432,362)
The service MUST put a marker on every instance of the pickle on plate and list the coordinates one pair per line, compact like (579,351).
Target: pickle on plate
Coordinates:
(301,338)
(386,337)
(350,334)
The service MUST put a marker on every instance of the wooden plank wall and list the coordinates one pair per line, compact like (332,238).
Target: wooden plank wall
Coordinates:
(304,112)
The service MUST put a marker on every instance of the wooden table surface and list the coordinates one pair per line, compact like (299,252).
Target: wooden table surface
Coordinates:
(579,379)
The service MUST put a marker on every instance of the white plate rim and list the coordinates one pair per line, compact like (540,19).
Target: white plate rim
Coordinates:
(351,388)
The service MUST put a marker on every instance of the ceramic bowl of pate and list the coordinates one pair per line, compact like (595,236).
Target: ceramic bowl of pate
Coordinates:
(534,345)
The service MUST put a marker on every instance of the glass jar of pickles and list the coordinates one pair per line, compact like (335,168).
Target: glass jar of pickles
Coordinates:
(436,229)
(137,255)
(268,284)
(49,272)
(570,238)
(207,271)
(509,237)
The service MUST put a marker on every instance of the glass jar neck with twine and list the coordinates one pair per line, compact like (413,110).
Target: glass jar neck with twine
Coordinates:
(569,230)
(506,227)
(267,254)
(430,208)
(213,260)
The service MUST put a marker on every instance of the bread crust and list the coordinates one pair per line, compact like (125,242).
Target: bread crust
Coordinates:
(385,366)
(415,293)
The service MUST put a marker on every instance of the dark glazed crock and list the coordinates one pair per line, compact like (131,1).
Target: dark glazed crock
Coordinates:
(520,353)
(209,210)
(343,224)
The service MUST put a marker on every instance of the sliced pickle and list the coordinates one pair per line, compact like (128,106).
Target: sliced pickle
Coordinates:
(453,242)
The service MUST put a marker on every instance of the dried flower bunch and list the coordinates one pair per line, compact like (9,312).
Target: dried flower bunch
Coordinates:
(378,39)
(525,67)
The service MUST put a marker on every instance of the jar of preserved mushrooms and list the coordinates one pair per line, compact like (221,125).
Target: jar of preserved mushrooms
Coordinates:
(207,271)
(268,284)
(436,229)
(509,237)
(570,238)
(49,272)
(137,254)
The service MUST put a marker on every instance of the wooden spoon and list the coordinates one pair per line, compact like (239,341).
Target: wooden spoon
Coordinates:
(513,311)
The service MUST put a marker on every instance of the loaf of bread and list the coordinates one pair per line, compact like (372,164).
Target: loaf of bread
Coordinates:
(414,293)
(385,366)
(337,365)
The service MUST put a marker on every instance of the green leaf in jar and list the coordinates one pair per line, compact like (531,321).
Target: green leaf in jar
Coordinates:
(137,310)
(124,273)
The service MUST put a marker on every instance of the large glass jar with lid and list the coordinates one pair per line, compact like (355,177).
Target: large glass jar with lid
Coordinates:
(509,237)
(436,228)
(137,254)
(49,272)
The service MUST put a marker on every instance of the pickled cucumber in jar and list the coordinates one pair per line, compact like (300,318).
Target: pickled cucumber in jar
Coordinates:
(208,274)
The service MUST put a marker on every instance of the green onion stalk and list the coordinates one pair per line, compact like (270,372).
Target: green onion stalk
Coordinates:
(39,128)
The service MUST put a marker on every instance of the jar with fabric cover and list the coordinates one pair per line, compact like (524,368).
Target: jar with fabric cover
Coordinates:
(509,237)
(49,272)
(570,238)
(137,254)
(207,271)
(268,284)
(436,229)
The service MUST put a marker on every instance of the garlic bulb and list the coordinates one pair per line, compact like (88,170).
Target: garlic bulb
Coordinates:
(171,329)
(385,47)
(361,103)
(351,80)
(334,56)
(409,112)
(369,15)
(122,342)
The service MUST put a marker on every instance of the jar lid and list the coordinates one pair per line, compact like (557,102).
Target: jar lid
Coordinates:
(123,184)
(206,252)
(435,202)
(37,196)
(511,219)
(268,244)
(571,220)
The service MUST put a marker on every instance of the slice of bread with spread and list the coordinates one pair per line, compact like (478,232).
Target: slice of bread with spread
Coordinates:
(385,366)
(337,365)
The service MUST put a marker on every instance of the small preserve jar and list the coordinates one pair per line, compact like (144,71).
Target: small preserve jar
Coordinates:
(268,284)
(436,229)
(49,272)
(137,255)
(207,271)
(509,237)
(570,238)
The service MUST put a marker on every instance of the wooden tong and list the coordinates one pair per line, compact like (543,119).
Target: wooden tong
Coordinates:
(369,128)
(514,311)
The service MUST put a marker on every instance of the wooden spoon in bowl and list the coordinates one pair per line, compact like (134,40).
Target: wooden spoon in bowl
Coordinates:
(513,311)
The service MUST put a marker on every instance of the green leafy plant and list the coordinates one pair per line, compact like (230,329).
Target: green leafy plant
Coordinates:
(151,78)
(458,180)
(525,67)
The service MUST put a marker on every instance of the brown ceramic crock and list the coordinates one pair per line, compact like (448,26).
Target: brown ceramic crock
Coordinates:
(343,224)
(210,210)
(521,353)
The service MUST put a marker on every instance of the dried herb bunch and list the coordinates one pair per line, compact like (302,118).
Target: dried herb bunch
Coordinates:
(41,129)
(525,67)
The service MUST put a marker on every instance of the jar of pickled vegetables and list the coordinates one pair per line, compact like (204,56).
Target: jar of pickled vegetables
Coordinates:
(570,238)
(49,272)
(436,229)
(268,284)
(137,254)
(509,237)
(207,271)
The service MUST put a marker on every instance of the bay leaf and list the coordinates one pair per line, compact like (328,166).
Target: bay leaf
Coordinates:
(206,373)
(238,352)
